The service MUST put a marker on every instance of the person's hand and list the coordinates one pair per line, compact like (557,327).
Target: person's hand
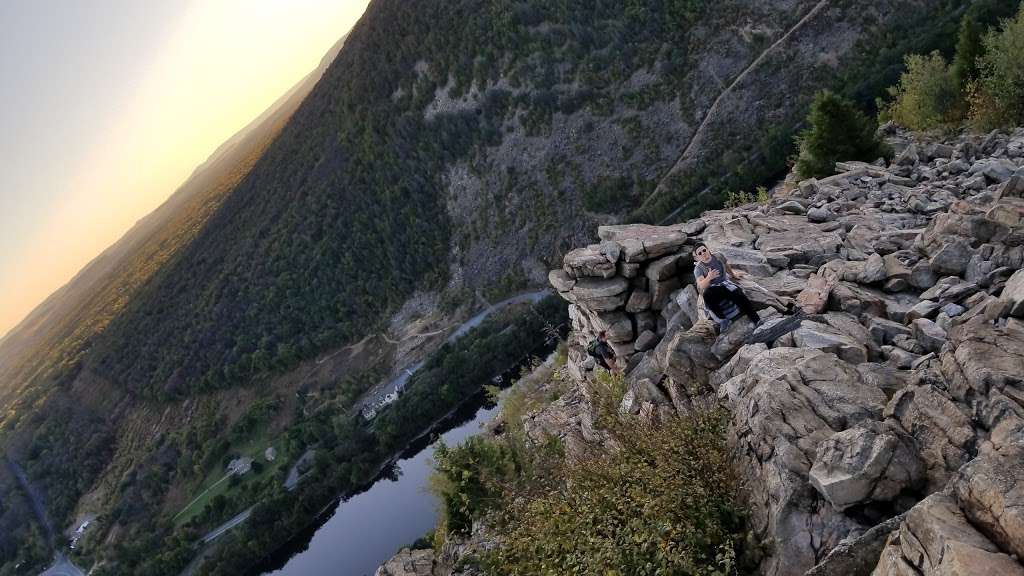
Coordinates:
(713,274)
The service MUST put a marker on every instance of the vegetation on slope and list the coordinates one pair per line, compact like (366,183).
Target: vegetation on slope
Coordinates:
(981,85)
(664,503)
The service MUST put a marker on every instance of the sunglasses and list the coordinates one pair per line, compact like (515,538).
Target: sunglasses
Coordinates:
(701,251)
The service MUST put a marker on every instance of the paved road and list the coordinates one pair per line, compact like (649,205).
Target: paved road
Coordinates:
(217,532)
(62,567)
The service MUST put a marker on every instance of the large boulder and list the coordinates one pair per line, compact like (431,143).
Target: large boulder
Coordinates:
(1013,294)
(869,462)
(590,261)
(818,336)
(598,294)
(944,433)
(783,406)
(935,539)
(409,563)
(990,491)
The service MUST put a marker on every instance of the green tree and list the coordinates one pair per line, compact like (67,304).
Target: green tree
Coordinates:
(837,131)
(928,94)
(997,100)
(968,49)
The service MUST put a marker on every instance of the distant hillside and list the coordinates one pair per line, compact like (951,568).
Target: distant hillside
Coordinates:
(53,336)
(47,346)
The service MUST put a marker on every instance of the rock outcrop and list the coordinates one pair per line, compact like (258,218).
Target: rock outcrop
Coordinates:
(878,410)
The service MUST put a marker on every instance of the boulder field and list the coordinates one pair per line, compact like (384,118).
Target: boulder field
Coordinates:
(877,411)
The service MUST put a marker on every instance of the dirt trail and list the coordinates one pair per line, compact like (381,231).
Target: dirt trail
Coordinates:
(725,92)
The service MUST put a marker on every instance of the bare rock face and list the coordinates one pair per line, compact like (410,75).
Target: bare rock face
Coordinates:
(877,412)
(936,539)
(869,462)
(990,491)
(409,563)
(785,404)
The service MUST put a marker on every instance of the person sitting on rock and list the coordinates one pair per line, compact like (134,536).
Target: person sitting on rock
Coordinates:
(722,296)
(602,352)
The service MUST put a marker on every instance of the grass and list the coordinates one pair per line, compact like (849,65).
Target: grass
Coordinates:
(217,482)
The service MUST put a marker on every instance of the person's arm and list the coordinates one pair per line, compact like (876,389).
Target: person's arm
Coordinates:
(703,281)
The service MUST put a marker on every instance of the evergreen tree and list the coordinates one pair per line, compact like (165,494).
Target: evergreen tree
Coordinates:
(837,131)
(968,49)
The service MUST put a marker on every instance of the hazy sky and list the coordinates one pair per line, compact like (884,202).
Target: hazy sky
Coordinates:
(106,106)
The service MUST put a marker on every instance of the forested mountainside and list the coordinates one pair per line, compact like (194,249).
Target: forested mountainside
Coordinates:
(451,149)
(47,346)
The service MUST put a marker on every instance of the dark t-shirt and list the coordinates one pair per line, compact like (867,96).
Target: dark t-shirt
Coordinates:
(701,270)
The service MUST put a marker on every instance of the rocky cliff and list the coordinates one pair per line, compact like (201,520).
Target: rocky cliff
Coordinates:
(877,412)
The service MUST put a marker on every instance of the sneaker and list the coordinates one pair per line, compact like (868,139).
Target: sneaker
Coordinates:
(723,325)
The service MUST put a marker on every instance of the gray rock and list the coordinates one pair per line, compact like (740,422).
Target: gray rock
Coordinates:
(1013,294)
(661,290)
(629,269)
(883,330)
(409,563)
(857,556)
(599,295)
(663,268)
(791,207)
(873,271)
(908,343)
(901,358)
(823,337)
(929,334)
(786,403)
(953,310)
(694,227)
(561,280)
(819,215)
(923,309)
(935,539)
(943,431)
(588,262)
(616,325)
(952,258)
(989,492)
(1012,187)
(639,301)
(869,462)
(921,276)
(940,287)
(646,341)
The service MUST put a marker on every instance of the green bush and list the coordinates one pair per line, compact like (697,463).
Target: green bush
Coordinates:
(997,98)
(838,131)
(663,504)
(928,94)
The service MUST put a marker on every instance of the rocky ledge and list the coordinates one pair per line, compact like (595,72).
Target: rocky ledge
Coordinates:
(877,413)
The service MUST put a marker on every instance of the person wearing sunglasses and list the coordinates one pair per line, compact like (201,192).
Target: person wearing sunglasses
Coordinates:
(722,296)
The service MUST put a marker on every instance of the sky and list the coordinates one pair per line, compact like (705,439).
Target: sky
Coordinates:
(106,107)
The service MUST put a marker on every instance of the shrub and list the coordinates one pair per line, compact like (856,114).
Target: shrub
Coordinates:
(662,504)
(997,99)
(837,131)
(928,94)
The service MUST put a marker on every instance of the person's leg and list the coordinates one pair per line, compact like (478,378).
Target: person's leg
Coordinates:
(743,303)
(714,297)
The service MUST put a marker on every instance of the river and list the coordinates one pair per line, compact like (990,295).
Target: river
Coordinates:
(367,529)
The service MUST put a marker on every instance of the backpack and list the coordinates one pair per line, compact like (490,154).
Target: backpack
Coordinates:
(598,349)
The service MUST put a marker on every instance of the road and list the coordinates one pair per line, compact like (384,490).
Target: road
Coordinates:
(62,567)
(398,382)
(217,532)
